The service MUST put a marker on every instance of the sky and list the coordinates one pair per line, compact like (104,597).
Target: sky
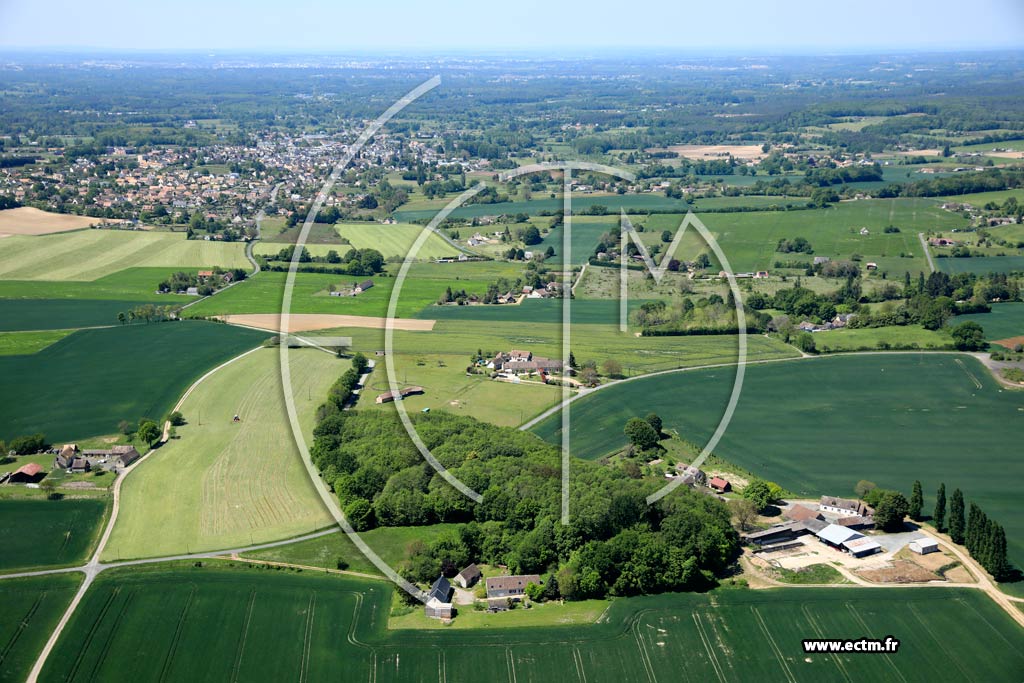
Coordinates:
(753,26)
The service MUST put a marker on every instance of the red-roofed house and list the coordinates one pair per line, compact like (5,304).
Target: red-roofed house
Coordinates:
(719,484)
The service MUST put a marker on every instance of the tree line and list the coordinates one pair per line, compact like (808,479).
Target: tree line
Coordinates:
(984,538)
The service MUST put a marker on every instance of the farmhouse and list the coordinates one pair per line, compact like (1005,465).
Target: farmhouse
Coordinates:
(924,546)
(392,396)
(691,475)
(844,506)
(122,456)
(523,362)
(362,286)
(65,456)
(439,605)
(510,586)
(468,576)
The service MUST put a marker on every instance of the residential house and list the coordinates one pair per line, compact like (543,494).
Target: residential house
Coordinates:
(510,586)
(439,604)
(65,456)
(124,456)
(468,576)
(844,506)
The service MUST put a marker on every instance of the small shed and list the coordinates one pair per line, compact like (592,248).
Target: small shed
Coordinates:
(924,546)
(719,484)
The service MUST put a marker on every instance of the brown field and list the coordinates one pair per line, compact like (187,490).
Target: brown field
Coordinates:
(706,152)
(27,220)
(919,152)
(307,322)
(1010,342)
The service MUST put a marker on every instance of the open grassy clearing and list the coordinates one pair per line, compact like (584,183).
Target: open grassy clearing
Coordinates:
(870,338)
(27,220)
(22,343)
(31,609)
(392,544)
(1002,322)
(86,383)
(818,426)
(264,293)
(447,387)
(226,484)
(980,199)
(284,626)
(48,533)
(92,254)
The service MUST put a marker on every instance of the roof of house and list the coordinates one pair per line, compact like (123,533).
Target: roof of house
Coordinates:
(504,583)
(470,573)
(837,535)
(30,470)
(718,482)
(800,513)
(366,284)
(843,503)
(440,590)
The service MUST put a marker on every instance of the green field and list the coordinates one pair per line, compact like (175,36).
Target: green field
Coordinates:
(981,265)
(870,339)
(818,426)
(92,254)
(21,343)
(272,626)
(56,314)
(31,609)
(46,533)
(226,484)
(86,383)
(1004,321)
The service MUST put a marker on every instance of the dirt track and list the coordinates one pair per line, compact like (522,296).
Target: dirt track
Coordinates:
(307,322)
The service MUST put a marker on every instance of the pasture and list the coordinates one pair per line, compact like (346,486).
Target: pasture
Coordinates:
(817,426)
(48,533)
(155,624)
(130,284)
(264,293)
(22,343)
(29,315)
(749,240)
(245,482)
(31,609)
(86,383)
(91,254)
(27,220)
(1005,320)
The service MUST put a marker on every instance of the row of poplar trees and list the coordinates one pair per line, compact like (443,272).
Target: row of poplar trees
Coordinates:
(970,527)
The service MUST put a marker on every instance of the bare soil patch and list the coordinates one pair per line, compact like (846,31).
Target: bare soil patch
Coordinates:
(744,152)
(27,220)
(308,322)
(901,571)
(1010,342)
